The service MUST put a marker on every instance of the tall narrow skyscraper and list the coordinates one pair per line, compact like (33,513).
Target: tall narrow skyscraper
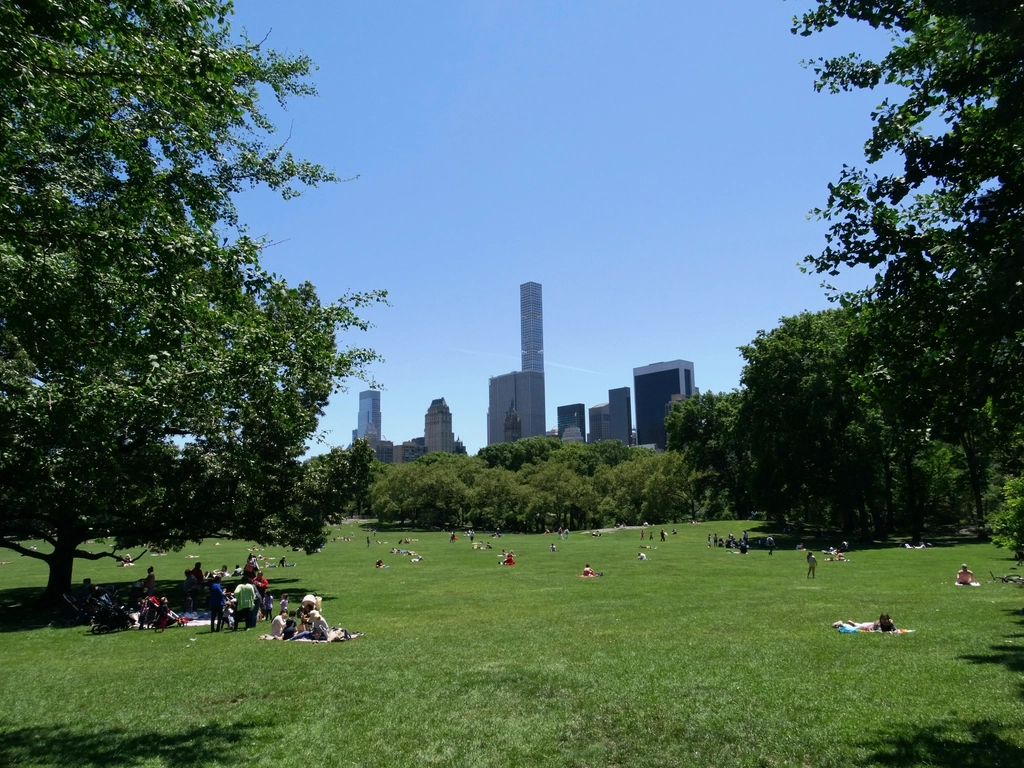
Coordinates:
(437,428)
(531,314)
(369,413)
(517,398)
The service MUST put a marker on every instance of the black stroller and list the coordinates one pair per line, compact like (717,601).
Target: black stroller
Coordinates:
(109,617)
(74,613)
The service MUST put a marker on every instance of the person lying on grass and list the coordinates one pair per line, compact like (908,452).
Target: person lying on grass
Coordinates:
(884,624)
(965,578)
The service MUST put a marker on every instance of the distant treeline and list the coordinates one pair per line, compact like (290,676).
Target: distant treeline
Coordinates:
(814,435)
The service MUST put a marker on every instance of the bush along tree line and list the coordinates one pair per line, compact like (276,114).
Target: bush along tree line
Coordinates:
(157,385)
(538,484)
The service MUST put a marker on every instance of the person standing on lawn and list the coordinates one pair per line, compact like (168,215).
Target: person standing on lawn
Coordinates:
(215,601)
(811,564)
(770,541)
(245,604)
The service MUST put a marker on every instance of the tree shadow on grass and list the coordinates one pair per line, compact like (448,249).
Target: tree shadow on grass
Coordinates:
(1009,655)
(221,744)
(979,744)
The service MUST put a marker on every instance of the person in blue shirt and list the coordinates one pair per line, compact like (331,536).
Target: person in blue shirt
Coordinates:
(215,601)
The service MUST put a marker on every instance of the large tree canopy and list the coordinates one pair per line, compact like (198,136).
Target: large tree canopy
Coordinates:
(157,385)
(944,230)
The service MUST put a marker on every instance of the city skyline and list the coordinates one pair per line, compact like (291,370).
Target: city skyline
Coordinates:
(662,203)
(658,387)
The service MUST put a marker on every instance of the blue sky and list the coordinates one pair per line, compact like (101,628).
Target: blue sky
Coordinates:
(651,164)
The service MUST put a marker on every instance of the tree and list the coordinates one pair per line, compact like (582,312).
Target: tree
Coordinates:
(334,484)
(156,384)
(705,429)
(674,491)
(806,426)
(622,488)
(557,497)
(944,231)
(498,499)
(1009,523)
(514,456)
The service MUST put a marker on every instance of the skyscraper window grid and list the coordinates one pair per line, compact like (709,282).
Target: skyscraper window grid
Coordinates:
(532,326)
(369,413)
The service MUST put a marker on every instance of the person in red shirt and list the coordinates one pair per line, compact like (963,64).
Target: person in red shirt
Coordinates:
(261,583)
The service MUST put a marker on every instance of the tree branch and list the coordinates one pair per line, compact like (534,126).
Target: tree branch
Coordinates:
(81,553)
(24,551)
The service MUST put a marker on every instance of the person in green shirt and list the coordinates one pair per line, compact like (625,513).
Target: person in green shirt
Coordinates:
(245,603)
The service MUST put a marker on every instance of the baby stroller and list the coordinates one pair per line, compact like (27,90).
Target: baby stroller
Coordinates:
(149,615)
(108,617)
(73,613)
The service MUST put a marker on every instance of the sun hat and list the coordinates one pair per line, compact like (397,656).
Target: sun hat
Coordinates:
(309,599)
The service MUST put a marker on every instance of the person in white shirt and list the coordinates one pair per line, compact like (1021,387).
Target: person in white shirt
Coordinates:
(277,625)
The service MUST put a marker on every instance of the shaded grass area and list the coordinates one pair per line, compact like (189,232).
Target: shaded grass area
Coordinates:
(695,657)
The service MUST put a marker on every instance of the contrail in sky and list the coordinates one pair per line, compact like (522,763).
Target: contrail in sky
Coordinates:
(509,357)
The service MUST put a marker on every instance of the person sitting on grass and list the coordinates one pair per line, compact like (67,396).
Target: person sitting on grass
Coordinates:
(380,564)
(277,626)
(509,560)
(588,572)
(641,556)
(290,627)
(319,628)
(965,578)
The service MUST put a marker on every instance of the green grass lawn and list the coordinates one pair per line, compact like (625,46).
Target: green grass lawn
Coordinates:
(696,657)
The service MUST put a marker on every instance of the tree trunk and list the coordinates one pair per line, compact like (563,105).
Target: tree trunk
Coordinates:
(974,473)
(916,523)
(62,564)
(887,476)
(865,525)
